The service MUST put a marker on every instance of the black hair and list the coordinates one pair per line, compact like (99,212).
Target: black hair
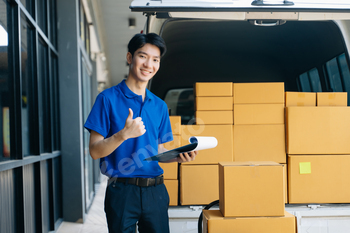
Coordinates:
(139,40)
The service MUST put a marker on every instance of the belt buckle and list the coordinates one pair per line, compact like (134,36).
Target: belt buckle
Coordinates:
(143,182)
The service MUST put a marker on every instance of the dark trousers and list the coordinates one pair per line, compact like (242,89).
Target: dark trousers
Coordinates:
(127,204)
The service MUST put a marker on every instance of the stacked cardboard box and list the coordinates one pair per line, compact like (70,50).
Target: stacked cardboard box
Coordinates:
(170,174)
(258,131)
(318,130)
(213,103)
(199,184)
(297,99)
(319,178)
(319,151)
(332,99)
(251,200)
(214,118)
(205,166)
(300,99)
(213,222)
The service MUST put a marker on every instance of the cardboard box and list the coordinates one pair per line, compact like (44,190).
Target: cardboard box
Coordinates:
(248,189)
(199,184)
(222,152)
(173,190)
(174,143)
(214,103)
(318,130)
(175,122)
(258,114)
(300,99)
(214,222)
(214,117)
(170,170)
(258,93)
(332,99)
(319,178)
(259,143)
(285,183)
(213,89)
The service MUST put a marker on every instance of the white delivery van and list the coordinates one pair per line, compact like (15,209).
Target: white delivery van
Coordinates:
(303,43)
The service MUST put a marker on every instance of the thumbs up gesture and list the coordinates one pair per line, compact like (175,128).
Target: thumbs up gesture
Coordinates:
(133,127)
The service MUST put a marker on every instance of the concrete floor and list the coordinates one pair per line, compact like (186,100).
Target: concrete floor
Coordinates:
(95,220)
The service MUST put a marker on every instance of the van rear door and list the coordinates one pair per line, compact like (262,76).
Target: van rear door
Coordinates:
(207,8)
(258,12)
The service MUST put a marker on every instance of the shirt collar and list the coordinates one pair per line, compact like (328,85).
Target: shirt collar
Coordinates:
(148,95)
(130,94)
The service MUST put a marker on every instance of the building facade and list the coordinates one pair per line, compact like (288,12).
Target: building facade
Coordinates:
(48,83)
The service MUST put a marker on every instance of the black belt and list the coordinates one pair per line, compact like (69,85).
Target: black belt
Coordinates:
(142,182)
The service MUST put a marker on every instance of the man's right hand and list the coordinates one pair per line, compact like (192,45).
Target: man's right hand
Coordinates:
(101,147)
(133,127)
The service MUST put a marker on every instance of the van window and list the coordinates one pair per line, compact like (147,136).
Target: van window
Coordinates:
(344,72)
(315,80)
(304,82)
(310,81)
(181,103)
(333,74)
(338,74)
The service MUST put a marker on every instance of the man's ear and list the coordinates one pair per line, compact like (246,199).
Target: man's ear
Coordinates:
(129,58)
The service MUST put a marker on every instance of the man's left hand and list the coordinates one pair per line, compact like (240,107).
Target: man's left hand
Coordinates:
(187,157)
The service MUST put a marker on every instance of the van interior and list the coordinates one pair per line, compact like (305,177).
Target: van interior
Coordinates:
(308,56)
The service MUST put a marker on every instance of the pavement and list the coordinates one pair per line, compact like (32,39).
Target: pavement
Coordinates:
(95,219)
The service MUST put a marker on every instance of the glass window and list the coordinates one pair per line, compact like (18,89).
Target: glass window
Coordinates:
(315,80)
(84,30)
(28,88)
(181,103)
(87,37)
(81,19)
(304,83)
(55,103)
(29,5)
(310,81)
(42,15)
(88,163)
(44,99)
(334,81)
(345,74)
(53,23)
(4,83)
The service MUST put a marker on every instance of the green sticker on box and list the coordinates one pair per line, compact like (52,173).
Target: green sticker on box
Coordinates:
(305,167)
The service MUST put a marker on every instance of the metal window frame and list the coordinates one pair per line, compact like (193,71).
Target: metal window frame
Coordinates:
(17,162)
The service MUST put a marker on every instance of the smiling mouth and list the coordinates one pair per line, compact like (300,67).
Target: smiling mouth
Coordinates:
(146,72)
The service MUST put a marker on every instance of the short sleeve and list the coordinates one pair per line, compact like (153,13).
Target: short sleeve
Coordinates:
(98,119)
(165,132)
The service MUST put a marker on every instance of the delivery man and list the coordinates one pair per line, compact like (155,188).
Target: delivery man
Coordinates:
(127,124)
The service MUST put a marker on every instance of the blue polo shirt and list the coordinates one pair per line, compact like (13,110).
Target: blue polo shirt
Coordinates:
(108,116)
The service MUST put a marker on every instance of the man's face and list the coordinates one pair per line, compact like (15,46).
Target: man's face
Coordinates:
(145,62)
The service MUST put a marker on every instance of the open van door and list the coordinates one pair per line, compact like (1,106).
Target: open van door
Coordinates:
(235,5)
(259,12)
(243,9)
